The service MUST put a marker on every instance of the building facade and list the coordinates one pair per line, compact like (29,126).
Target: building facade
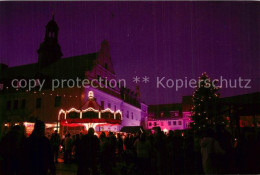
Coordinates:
(21,104)
(170,116)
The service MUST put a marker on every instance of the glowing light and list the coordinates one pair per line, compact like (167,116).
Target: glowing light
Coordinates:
(90,109)
(91,125)
(106,110)
(118,111)
(73,110)
(61,112)
(50,125)
(90,94)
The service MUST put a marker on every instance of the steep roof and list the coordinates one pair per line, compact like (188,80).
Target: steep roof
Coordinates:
(64,68)
(165,108)
(91,104)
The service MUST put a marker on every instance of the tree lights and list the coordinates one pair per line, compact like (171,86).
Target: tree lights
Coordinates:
(203,97)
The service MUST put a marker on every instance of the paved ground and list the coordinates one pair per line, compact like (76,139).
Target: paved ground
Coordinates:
(65,169)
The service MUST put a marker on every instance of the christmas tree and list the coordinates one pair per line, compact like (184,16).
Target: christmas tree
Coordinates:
(204,98)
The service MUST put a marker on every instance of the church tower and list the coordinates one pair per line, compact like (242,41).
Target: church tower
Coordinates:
(49,50)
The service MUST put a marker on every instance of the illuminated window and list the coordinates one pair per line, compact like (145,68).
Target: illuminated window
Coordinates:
(132,115)
(169,123)
(115,108)
(180,122)
(109,105)
(174,122)
(150,123)
(38,103)
(154,124)
(127,114)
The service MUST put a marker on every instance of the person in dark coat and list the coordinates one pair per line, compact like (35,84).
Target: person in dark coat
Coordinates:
(88,153)
(11,149)
(55,143)
(38,152)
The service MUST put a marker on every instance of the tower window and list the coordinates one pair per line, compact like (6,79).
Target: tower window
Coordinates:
(106,67)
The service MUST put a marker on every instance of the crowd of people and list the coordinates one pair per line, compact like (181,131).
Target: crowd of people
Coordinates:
(177,152)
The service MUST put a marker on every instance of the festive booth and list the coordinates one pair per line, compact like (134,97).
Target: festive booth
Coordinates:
(90,115)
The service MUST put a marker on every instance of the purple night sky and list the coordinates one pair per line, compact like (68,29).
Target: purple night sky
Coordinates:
(171,39)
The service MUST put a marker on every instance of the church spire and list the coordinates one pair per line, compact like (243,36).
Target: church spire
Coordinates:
(49,50)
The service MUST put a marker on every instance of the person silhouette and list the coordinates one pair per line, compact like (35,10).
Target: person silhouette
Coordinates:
(55,143)
(88,152)
(11,149)
(38,152)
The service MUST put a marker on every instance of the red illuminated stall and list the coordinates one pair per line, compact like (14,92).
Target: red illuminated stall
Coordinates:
(90,115)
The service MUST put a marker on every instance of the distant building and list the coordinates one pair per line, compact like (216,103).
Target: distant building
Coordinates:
(240,111)
(24,106)
(170,116)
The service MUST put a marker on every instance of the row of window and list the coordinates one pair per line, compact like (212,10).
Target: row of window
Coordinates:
(102,104)
(174,123)
(16,104)
(132,115)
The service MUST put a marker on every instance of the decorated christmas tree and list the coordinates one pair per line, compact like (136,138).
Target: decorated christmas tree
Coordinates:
(204,104)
